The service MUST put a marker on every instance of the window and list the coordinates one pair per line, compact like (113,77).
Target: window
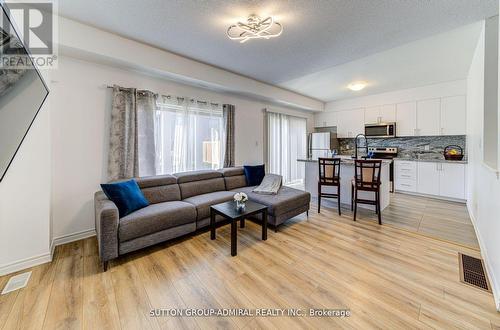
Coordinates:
(286,143)
(188,136)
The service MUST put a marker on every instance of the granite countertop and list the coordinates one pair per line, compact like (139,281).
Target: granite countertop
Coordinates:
(345,160)
(432,160)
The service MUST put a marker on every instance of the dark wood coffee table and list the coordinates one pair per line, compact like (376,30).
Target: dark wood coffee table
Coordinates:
(228,211)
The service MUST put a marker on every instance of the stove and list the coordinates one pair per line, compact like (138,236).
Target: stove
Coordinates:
(386,153)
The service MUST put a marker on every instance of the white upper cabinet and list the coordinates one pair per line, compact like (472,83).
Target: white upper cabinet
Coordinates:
(453,115)
(350,123)
(388,113)
(380,114)
(406,119)
(372,115)
(325,119)
(428,117)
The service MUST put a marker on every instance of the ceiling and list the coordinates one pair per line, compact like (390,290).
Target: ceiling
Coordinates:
(443,57)
(318,34)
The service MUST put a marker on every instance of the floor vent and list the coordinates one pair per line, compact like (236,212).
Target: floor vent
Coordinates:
(472,272)
(17,282)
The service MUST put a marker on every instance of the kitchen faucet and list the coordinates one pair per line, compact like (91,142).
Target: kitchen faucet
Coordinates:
(356,145)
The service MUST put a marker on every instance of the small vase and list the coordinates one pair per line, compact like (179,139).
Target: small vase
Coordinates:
(240,206)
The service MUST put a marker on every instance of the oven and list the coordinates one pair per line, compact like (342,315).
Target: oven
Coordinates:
(380,130)
(386,153)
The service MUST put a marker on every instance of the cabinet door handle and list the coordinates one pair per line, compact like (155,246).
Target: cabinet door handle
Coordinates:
(406,185)
(406,176)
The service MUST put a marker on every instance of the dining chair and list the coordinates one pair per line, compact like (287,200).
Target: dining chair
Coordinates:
(329,175)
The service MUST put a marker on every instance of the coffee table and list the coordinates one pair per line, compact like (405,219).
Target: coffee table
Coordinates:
(228,210)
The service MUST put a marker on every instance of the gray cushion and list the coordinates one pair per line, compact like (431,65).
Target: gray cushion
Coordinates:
(232,171)
(194,188)
(203,202)
(155,181)
(154,218)
(161,194)
(287,199)
(233,182)
(191,176)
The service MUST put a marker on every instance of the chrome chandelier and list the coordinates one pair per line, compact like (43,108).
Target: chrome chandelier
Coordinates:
(255,28)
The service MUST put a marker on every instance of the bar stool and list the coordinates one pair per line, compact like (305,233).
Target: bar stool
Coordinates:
(366,178)
(329,175)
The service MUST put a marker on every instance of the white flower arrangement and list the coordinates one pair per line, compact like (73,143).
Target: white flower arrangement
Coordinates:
(240,197)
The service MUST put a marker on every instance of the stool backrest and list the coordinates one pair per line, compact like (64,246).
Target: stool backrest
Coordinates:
(367,172)
(329,170)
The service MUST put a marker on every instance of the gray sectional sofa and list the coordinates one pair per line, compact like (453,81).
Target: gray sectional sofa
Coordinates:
(180,205)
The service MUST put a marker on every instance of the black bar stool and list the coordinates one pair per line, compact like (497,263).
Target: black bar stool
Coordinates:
(366,178)
(329,175)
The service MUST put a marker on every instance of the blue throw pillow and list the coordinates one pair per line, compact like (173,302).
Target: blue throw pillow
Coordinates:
(254,174)
(127,196)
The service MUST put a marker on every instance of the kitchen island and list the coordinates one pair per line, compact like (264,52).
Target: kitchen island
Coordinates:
(346,177)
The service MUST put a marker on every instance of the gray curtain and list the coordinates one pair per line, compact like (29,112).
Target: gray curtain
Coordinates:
(131,143)
(146,107)
(228,114)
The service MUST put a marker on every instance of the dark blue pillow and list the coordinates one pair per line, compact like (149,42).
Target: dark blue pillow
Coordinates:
(254,174)
(127,196)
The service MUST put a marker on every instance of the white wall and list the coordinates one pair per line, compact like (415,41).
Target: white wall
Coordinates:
(484,184)
(451,88)
(25,200)
(80,116)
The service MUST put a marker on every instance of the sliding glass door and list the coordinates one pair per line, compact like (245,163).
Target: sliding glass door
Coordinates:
(287,142)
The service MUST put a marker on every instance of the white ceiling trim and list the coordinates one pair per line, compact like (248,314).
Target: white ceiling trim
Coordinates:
(86,42)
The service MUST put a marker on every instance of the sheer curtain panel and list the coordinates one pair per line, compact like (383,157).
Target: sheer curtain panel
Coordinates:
(286,143)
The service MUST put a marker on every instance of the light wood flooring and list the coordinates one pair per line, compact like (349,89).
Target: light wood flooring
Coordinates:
(389,279)
(428,216)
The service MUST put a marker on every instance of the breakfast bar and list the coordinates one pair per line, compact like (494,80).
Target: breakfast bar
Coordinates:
(346,177)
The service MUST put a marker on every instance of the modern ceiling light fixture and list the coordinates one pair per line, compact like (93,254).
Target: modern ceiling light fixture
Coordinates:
(356,85)
(255,28)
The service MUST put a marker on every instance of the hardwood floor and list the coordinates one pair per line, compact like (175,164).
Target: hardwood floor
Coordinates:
(388,278)
(440,219)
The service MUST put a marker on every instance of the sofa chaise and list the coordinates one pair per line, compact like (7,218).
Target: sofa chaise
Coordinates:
(180,205)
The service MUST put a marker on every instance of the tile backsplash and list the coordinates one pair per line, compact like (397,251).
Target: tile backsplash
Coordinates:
(429,147)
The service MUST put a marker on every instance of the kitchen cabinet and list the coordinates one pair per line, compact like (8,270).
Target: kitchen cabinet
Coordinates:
(405,175)
(380,114)
(444,179)
(452,180)
(428,117)
(428,178)
(406,119)
(372,115)
(350,123)
(453,115)
(325,119)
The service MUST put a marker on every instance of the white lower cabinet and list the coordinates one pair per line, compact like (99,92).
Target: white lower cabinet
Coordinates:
(430,178)
(452,180)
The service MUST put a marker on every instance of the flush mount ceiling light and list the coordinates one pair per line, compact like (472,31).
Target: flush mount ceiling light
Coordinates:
(357,85)
(255,28)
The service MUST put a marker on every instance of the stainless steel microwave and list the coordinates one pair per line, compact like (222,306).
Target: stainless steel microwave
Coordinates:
(380,130)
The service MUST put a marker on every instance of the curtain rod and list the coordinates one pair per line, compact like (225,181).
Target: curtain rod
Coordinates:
(169,96)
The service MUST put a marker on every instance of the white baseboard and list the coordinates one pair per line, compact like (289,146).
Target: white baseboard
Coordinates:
(47,257)
(71,238)
(25,263)
(449,199)
(487,263)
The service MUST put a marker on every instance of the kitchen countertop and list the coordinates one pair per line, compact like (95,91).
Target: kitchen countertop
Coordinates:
(345,160)
(431,160)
